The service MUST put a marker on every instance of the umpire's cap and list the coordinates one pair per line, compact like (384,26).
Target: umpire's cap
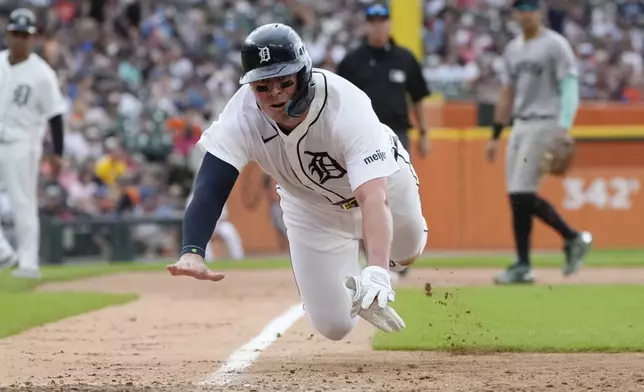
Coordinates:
(377,11)
(526,5)
(23,20)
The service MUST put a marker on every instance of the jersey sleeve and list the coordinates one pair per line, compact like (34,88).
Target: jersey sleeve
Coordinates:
(416,83)
(364,142)
(565,61)
(227,139)
(51,98)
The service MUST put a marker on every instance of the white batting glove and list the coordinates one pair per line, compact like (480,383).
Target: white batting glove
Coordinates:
(370,294)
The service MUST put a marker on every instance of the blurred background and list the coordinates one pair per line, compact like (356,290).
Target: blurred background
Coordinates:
(144,78)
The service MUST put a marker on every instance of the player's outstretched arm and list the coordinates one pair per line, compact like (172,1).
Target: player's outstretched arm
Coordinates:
(377,229)
(371,291)
(214,182)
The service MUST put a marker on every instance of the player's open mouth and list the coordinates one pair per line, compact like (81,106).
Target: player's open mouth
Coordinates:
(278,105)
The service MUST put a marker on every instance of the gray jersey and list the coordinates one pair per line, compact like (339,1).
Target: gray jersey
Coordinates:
(534,69)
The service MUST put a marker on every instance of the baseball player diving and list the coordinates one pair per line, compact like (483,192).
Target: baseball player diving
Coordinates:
(30,97)
(342,176)
(540,91)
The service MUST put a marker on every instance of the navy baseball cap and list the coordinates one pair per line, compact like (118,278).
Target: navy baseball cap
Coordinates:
(377,11)
(526,5)
(22,20)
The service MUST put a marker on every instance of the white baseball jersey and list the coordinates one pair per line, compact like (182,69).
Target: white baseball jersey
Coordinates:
(340,145)
(29,96)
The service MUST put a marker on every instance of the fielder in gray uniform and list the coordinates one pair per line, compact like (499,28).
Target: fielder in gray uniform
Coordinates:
(541,93)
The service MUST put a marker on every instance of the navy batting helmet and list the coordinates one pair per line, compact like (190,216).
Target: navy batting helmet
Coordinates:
(274,50)
(23,20)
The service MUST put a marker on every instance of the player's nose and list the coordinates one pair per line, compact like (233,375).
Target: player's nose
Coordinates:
(274,89)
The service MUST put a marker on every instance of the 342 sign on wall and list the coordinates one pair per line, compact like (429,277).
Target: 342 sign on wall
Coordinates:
(612,193)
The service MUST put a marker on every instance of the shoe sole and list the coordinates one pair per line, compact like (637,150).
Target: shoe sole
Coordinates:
(517,282)
(573,268)
(498,280)
(26,275)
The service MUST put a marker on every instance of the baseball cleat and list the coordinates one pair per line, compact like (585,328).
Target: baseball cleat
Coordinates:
(515,274)
(575,251)
(26,273)
(9,261)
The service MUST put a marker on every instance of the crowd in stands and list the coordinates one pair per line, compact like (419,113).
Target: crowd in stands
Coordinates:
(464,40)
(144,78)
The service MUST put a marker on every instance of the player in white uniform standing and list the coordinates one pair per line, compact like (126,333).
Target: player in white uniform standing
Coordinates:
(30,97)
(342,176)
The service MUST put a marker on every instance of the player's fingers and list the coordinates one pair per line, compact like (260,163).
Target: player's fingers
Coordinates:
(369,297)
(383,297)
(174,269)
(355,309)
(212,276)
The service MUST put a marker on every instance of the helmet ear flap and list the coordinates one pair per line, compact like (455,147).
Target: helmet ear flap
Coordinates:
(304,94)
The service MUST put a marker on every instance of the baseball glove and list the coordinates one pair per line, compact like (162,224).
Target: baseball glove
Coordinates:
(558,158)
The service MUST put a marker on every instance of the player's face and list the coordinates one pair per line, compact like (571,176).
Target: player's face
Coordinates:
(18,42)
(528,19)
(273,95)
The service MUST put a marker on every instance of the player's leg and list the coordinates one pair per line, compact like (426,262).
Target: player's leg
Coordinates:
(520,207)
(320,274)
(8,257)
(576,243)
(22,182)
(409,225)
(322,257)
(210,251)
(228,233)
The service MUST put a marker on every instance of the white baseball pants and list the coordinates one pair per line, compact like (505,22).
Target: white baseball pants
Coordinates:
(19,169)
(324,248)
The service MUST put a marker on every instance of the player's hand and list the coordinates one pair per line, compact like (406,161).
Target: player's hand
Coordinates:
(424,146)
(491,150)
(370,294)
(193,265)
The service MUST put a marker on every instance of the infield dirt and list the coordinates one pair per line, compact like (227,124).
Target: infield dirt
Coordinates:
(181,330)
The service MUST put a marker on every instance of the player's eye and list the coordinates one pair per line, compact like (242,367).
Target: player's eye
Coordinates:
(286,84)
(261,88)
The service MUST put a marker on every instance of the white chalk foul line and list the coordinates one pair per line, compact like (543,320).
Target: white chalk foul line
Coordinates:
(243,357)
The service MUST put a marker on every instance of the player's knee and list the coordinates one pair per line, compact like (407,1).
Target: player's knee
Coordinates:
(409,261)
(411,248)
(335,329)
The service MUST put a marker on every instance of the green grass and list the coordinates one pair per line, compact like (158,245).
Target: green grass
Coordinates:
(21,308)
(20,311)
(9,284)
(524,318)
(596,258)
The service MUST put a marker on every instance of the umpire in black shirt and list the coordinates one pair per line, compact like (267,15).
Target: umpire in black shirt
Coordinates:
(387,72)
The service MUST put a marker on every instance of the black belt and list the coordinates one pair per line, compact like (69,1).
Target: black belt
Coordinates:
(531,117)
(347,204)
